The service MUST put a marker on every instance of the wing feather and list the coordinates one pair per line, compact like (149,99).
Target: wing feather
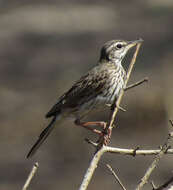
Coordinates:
(87,87)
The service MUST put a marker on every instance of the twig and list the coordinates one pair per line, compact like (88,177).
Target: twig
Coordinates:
(101,148)
(154,164)
(116,177)
(153,185)
(91,142)
(136,84)
(30,176)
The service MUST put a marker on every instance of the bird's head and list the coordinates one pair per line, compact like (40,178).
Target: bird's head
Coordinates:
(115,50)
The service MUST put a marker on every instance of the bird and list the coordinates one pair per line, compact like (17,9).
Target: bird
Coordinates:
(99,87)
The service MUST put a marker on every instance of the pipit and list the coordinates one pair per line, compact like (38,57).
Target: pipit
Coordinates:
(97,88)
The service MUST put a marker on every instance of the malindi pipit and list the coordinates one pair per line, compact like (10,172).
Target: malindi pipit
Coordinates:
(97,88)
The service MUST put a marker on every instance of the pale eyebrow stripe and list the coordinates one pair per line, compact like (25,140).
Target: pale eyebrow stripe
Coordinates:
(111,46)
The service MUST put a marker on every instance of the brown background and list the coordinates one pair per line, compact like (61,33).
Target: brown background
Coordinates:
(44,47)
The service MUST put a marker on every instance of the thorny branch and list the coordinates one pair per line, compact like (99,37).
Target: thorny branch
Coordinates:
(100,149)
(154,164)
(130,152)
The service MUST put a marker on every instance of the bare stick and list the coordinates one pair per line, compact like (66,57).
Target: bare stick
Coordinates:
(101,148)
(154,164)
(136,84)
(116,177)
(30,176)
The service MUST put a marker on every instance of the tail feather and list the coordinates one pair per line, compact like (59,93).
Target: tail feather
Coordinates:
(44,134)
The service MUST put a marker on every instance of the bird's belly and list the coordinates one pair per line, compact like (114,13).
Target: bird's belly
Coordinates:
(113,92)
(107,96)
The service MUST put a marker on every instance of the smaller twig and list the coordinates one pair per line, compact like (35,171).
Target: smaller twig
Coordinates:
(153,185)
(136,83)
(91,142)
(165,184)
(121,109)
(116,177)
(30,176)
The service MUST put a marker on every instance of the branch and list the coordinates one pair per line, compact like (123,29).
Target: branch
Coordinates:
(30,176)
(134,152)
(101,148)
(116,177)
(130,152)
(136,84)
(154,164)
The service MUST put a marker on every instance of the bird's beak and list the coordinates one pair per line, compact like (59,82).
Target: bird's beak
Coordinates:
(135,42)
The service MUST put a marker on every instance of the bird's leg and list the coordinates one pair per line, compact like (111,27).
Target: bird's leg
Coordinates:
(102,124)
(89,125)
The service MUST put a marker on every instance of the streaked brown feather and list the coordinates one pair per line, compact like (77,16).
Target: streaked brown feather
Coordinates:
(85,89)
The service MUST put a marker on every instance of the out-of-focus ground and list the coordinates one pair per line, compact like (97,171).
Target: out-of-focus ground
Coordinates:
(47,45)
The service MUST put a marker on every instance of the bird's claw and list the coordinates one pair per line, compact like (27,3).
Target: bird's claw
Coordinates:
(105,136)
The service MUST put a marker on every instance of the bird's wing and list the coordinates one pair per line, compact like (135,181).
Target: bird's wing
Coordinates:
(86,88)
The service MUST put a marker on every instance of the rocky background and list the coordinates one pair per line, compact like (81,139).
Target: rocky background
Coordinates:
(46,45)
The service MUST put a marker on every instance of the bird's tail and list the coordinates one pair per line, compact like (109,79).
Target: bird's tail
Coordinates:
(44,134)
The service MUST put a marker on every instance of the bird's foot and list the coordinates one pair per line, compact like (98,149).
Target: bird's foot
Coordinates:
(104,135)
(90,125)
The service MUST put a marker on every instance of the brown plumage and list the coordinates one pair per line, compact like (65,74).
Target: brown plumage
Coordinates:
(97,88)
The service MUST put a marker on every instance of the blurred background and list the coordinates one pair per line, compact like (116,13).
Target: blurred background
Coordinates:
(46,45)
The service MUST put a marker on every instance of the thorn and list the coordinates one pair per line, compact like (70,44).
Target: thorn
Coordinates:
(153,185)
(90,142)
(122,109)
(109,105)
(171,122)
(119,107)
(134,151)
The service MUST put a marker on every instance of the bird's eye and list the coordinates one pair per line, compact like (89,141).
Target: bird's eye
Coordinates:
(119,46)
